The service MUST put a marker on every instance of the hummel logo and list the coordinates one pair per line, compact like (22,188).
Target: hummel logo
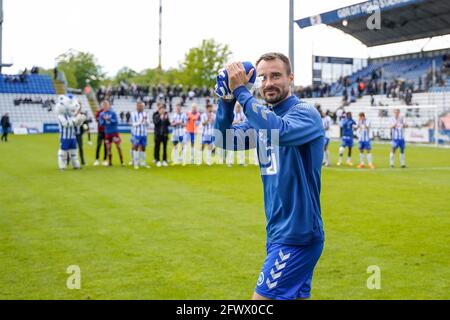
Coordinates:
(279,266)
(271,285)
(274,275)
(284,257)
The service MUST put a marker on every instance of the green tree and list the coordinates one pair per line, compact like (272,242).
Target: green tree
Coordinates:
(202,63)
(125,74)
(79,67)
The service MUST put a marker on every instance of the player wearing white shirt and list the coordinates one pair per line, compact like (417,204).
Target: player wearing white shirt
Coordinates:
(139,132)
(363,129)
(326,122)
(207,119)
(178,122)
(239,117)
(398,126)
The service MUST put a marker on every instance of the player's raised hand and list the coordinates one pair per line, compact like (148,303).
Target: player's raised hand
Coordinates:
(237,75)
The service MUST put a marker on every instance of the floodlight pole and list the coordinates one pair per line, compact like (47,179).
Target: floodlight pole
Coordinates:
(160,34)
(291,33)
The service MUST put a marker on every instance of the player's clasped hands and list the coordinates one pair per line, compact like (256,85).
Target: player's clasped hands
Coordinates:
(237,75)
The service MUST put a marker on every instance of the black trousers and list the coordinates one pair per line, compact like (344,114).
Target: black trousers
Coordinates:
(5,134)
(80,148)
(100,142)
(158,140)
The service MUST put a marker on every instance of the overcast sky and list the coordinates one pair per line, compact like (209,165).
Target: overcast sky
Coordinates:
(125,33)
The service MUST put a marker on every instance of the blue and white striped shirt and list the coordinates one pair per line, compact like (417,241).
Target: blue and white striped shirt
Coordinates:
(208,128)
(326,121)
(67,127)
(140,123)
(398,130)
(178,122)
(363,130)
(239,117)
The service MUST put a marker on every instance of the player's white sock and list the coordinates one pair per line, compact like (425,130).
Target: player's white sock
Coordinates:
(391,158)
(184,153)
(135,157)
(199,156)
(208,156)
(175,154)
(361,158)
(62,159)
(241,157)
(326,156)
(192,154)
(74,158)
(230,157)
(219,155)
(350,159)
(402,159)
(143,158)
(369,158)
(341,152)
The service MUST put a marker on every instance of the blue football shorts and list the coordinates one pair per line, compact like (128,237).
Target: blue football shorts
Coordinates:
(288,270)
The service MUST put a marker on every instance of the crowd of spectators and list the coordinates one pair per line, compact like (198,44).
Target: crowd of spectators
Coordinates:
(45,103)
(375,84)
(153,94)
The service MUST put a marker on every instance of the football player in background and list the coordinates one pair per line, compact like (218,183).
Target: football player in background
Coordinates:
(108,119)
(178,122)
(239,117)
(326,122)
(347,125)
(139,132)
(207,120)
(193,120)
(363,128)
(398,126)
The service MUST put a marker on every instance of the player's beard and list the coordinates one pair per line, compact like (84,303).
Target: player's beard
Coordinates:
(280,94)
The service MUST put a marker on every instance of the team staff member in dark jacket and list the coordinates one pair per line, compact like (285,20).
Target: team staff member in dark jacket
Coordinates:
(100,138)
(162,123)
(5,126)
(80,130)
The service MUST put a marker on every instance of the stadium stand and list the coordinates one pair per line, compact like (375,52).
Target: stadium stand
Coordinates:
(129,104)
(410,80)
(35,111)
(26,84)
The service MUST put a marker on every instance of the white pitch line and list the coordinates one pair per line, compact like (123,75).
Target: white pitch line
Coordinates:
(396,169)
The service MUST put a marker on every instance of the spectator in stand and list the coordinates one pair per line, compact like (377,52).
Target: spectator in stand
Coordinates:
(352,96)
(361,88)
(128,116)
(122,116)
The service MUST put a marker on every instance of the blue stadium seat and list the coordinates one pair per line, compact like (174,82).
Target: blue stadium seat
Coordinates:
(34,84)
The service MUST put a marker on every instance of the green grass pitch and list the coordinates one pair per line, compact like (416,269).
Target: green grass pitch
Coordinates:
(199,232)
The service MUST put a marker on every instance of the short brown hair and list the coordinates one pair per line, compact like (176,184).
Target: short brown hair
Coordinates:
(276,55)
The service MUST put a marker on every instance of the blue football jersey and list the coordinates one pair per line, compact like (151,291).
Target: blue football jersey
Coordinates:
(292,169)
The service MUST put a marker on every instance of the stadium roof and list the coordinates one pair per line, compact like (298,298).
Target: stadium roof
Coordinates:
(401,20)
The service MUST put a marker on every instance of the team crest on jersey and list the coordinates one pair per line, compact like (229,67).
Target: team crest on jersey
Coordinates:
(268,152)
